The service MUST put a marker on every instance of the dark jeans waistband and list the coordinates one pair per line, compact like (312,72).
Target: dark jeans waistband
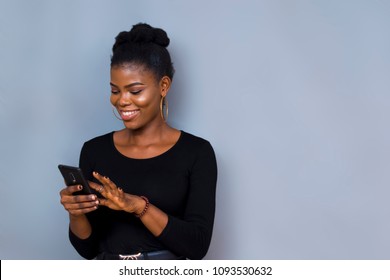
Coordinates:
(155,255)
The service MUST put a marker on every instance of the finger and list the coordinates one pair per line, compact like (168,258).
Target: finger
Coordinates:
(102,188)
(78,212)
(71,189)
(108,184)
(100,178)
(99,188)
(104,202)
(77,206)
(96,187)
(110,188)
(74,199)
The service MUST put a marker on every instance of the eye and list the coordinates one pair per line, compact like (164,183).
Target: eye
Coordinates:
(114,90)
(135,92)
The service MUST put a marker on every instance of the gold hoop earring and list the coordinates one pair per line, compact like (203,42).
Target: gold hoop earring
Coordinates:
(113,110)
(164,103)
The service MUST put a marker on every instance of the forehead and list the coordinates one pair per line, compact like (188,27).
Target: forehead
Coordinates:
(131,73)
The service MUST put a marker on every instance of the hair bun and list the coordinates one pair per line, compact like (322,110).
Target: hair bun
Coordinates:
(142,33)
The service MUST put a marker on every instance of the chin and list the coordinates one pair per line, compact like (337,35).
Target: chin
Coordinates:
(132,126)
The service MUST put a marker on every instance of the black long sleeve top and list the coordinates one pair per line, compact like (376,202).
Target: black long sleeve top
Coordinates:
(181,182)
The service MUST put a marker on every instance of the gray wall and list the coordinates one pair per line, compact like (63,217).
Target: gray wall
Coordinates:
(293,95)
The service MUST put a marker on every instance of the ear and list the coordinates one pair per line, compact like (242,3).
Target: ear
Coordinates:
(165,85)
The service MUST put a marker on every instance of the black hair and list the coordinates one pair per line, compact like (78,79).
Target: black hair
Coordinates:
(145,46)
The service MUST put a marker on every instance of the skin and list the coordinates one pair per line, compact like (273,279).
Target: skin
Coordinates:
(135,90)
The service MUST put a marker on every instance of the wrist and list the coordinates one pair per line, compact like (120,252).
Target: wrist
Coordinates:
(77,218)
(143,209)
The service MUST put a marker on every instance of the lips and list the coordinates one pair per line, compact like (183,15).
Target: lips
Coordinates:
(128,115)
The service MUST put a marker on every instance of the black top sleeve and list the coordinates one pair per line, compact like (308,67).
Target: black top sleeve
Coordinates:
(191,235)
(87,248)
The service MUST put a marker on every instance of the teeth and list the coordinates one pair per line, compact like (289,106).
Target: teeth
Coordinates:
(128,113)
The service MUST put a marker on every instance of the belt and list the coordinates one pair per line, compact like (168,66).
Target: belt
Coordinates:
(155,255)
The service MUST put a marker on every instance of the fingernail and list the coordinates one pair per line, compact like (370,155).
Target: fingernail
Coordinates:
(80,187)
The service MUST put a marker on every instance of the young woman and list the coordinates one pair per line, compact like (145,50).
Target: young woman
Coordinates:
(154,185)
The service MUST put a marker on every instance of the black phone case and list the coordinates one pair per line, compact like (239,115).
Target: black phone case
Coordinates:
(74,176)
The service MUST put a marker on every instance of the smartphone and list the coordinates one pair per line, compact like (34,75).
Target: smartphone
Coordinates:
(74,176)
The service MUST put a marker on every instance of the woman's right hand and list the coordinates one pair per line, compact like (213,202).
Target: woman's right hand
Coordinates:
(78,205)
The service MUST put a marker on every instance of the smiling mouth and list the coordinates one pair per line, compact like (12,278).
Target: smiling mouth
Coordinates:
(129,115)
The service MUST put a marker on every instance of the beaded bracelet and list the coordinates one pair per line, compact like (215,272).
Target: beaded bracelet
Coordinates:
(145,209)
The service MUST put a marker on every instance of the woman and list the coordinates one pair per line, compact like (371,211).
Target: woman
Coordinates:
(155,185)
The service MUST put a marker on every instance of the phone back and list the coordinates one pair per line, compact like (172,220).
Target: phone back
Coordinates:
(74,176)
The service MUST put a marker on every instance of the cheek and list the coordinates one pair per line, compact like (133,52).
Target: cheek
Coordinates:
(144,100)
(113,99)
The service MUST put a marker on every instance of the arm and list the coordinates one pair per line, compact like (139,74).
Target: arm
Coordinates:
(78,206)
(81,233)
(191,235)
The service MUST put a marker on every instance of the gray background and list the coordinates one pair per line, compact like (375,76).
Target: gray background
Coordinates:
(293,95)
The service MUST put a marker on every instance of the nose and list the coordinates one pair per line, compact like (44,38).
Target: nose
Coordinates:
(124,99)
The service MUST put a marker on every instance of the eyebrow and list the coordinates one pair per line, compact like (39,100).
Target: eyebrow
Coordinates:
(129,85)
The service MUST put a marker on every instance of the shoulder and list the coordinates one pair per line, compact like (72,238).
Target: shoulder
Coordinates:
(193,140)
(199,153)
(194,144)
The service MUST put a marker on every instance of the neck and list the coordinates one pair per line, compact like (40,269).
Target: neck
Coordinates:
(147,135)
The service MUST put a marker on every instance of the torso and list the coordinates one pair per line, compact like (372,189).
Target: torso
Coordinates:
(173,182)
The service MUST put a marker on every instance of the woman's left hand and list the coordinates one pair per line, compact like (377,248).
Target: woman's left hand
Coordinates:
(114,197)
